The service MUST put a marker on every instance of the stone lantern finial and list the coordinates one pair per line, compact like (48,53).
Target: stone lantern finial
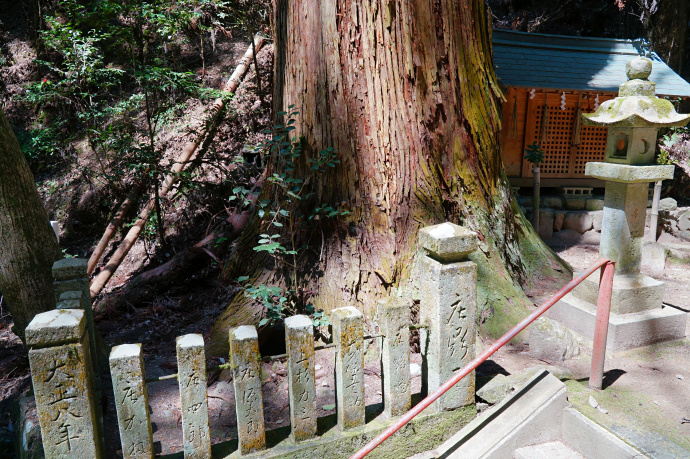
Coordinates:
(639,68)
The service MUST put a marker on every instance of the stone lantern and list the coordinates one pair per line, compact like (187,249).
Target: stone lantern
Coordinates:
(633,120)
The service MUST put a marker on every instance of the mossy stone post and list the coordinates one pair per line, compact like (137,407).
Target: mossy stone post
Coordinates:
(299,340)
(63,384)
(131,401)
(448,308)
(246,372)
(191,377)
(70,276)
(395,355)
(348,336)
(71,300)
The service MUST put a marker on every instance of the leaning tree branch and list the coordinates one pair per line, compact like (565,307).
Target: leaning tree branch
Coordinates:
(185,157)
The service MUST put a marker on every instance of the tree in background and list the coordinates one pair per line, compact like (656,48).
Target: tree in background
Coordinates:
(407,97)
(28,246)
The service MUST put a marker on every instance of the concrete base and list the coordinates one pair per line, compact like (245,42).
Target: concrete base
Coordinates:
(530,415)
(550,450)
(626,331)
(536,414)
(631,293)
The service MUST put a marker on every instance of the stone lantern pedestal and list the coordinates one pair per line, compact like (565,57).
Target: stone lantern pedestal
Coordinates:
(638,317)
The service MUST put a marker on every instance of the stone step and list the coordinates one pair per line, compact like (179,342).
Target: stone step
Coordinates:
(550,450)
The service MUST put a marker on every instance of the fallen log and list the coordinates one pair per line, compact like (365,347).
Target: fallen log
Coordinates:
(150,284)
(112,229)
(185,157)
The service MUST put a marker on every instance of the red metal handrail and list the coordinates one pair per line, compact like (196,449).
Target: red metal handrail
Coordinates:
(598,350)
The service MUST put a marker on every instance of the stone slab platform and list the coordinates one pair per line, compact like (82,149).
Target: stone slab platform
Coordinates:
(626,331)
(631,293)
(624,173)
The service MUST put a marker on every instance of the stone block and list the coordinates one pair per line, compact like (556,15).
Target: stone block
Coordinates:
(551,341)
(395,355)
(447,242)
(553,202)
(71,300)
(578,221)
(575,203)
(191,378)
(448,307)
(131,401)
(558,220)
(27,430)
(299,341)
(546,223)
(623,173)
(55,327)
(684,221)
(631,293)
(69,268)
(654,259)
(246,369)
(594,204)
(495,390)
(626,331)
(668,205)
(63,385)
(348,336)
(597,219)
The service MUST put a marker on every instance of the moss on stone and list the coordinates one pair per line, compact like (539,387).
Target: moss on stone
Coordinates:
(422,434)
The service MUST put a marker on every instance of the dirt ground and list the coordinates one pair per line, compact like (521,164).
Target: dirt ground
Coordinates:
(645,389)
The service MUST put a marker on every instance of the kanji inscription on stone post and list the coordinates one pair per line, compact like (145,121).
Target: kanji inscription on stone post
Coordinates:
(448,308)
(348,336)
(131,401)
(395,355)
(299,340)
(191,371)
(60,372)
(246,371)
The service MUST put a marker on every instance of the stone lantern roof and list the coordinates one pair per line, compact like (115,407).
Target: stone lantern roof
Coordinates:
(637,105)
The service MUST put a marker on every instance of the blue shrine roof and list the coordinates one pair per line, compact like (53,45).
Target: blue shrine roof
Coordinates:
(542,61)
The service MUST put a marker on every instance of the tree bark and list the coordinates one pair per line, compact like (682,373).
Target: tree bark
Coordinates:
(28,246)
(406,93)
(669,31)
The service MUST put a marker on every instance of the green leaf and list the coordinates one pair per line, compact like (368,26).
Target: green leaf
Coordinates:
(329,407)
(242,278)
(263,322)
(277,224)
(261,213)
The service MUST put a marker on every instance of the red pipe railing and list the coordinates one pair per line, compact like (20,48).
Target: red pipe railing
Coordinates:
(598,351)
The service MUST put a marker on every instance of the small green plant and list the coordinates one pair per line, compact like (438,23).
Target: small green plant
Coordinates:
(674,146)
(534,153)
(286,216)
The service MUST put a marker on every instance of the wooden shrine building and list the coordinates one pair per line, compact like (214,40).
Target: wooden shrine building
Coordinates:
(555,78)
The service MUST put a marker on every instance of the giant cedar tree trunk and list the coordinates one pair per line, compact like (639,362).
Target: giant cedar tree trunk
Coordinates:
(668,30)
(28,246)
(406,93)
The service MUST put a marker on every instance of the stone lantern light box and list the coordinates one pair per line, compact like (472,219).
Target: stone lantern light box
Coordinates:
(634,117)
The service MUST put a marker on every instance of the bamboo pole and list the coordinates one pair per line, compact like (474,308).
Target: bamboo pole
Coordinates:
(185,157)
(111,229)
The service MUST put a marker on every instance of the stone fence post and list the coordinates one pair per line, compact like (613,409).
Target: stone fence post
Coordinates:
(348,336)
(299,340)
(63,384)
(395,355)
(70,277)
(191,378)
(131,401)
(448,308)
(246,379)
